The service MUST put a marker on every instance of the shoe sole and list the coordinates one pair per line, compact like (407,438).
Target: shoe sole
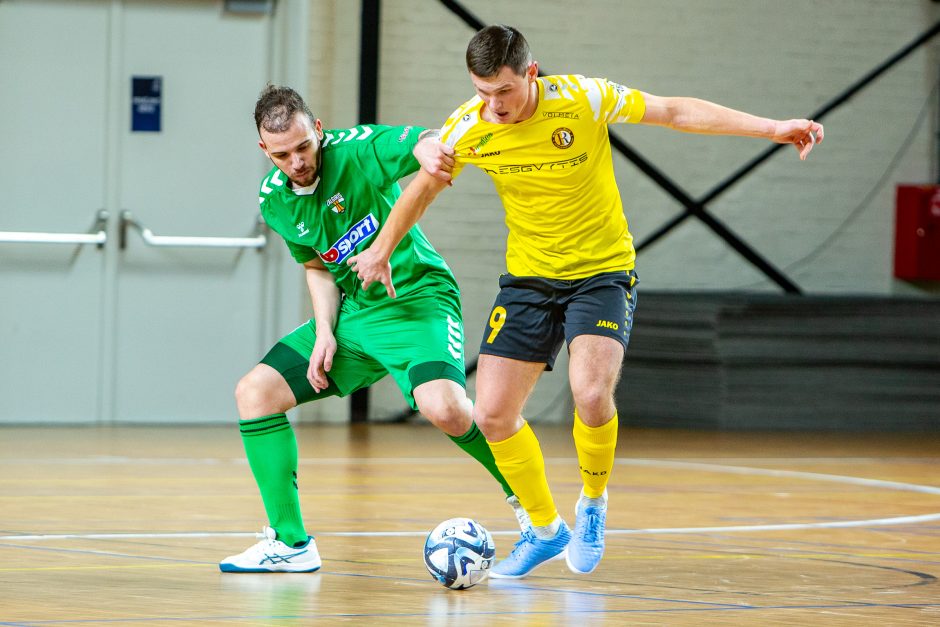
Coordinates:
(561,556)
(231,568)
(573,569)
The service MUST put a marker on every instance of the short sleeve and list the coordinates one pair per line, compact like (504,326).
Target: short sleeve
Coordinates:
(300,253)
(387,156)
(612,102)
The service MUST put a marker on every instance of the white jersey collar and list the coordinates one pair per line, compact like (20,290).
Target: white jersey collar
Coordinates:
(308,190)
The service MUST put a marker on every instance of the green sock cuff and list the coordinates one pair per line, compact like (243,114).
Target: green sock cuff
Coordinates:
(472,433)
(476,446)
(263,425)
(289,524)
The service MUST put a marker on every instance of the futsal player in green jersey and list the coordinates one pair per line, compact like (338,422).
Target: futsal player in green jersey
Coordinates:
(570,262)
(327,197)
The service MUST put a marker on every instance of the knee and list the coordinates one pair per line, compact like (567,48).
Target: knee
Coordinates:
(450,414)
(594,402)
(258,395)
(495,426)
(248,391)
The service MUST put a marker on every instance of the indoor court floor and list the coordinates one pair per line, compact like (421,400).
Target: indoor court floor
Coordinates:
(124,525)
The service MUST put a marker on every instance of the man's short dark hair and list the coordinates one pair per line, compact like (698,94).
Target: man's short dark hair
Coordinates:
(496,46)
(276,107)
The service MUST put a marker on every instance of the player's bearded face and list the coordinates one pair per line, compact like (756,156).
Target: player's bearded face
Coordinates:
(296,151)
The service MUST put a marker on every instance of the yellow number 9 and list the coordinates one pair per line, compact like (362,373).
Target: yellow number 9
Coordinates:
(497,320)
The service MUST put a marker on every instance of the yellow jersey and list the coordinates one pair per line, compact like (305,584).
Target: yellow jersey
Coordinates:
(554,175)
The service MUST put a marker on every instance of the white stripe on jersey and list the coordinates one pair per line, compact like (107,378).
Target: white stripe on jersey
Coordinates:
(620,111)
(464,123)
(595,95)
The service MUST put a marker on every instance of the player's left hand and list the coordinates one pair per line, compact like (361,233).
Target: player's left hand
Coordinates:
(321,361)
(372,268)
(803,134)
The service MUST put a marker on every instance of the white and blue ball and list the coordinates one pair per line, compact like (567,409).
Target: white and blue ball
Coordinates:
(459,553)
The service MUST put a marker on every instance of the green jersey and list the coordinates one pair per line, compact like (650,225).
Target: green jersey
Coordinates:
(340,214)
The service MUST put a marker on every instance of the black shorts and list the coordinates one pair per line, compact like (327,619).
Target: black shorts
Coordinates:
(532,315)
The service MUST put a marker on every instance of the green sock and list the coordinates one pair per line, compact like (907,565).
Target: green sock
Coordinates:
(477,447)
(272,454)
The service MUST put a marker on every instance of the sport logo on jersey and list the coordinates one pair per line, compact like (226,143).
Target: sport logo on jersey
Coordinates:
(475,151)
(346,244)
(335,203)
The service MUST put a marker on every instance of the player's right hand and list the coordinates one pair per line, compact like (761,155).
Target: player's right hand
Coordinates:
(321,361)
(371,268)
(436,158)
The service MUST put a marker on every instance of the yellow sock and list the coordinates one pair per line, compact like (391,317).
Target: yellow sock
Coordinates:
(519,458)
(596,447)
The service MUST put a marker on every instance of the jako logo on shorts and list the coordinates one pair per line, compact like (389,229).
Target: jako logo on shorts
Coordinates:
(360,231)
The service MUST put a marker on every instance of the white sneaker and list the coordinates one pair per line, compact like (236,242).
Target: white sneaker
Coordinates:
(273,556)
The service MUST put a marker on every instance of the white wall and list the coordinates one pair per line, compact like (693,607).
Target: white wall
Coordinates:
(778,59)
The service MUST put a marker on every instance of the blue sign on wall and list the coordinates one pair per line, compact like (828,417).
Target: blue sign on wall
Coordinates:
(146,98)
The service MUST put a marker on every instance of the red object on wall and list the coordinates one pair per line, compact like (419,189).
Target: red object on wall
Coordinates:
(917,232)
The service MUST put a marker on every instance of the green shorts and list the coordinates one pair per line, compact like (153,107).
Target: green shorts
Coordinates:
(416,338)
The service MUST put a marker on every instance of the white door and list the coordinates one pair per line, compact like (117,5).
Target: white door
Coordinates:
(139,332)
(189,319)
(52,176)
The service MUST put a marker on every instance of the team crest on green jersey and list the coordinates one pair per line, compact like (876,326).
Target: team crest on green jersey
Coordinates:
(335,203)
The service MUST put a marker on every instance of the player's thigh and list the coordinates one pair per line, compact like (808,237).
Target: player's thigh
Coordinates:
(601,305)
(444,402)
(525,321)
(503,387)
(598,321)
(352,369)
(417,338)
(594,368)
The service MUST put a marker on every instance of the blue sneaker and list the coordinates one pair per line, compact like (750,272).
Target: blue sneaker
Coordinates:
(587,544)
(530,552)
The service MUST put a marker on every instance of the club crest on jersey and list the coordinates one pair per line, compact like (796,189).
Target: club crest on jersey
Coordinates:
(335,203)
(346,244)
(563,138)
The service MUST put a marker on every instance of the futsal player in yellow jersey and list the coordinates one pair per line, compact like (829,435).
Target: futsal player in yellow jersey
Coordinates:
(570,262)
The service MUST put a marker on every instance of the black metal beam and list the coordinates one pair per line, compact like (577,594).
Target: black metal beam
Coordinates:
(369,62)
(834,103)
(696,208)
(460,11)
(368,114)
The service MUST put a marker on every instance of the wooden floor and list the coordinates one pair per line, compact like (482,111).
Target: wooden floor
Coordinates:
(125,526)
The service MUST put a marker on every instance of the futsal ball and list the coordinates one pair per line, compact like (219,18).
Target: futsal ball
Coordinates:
(459,553)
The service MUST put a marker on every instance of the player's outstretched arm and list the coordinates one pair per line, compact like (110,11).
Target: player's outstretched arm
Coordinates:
(693,115)
(372,265)
(325,298)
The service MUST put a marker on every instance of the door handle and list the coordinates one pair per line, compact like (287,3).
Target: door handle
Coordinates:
(258,240)
(95,235)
